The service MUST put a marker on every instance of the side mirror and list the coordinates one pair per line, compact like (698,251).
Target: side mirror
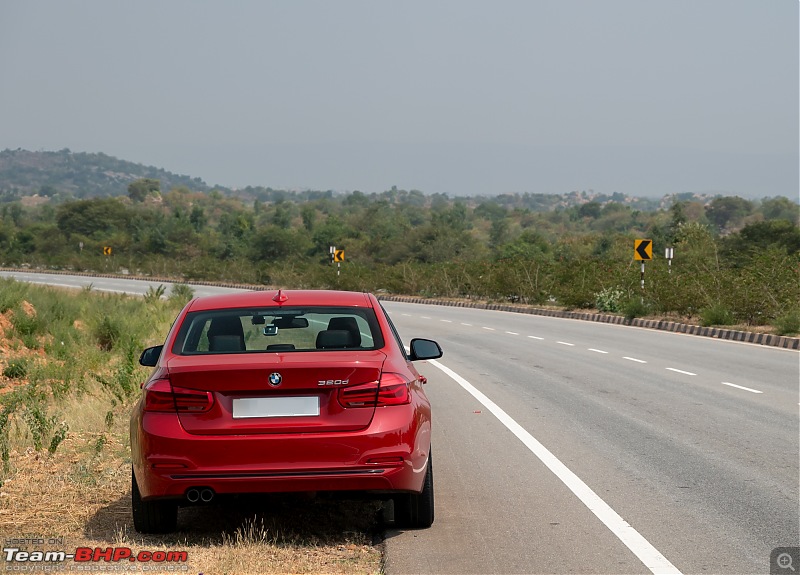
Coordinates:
(149,357)
(424,349)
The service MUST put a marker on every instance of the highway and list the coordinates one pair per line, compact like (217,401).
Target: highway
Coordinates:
(563,446)
(650,422)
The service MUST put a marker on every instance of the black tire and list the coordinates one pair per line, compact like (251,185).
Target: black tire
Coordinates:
(152,516)
(416,510)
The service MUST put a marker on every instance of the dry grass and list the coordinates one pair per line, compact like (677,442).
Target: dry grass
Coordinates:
(81,493)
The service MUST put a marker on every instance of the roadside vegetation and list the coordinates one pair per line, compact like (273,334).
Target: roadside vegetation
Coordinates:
(736,262)
(70,375)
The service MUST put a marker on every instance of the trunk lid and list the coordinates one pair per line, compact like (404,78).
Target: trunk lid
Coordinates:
(292,392)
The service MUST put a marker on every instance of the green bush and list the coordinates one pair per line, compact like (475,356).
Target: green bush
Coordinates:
(634,307)
(154,294)
(28,327)
(716,314)
(12,293)
(107,332)
(181,294)
(788,324)
(17,368)
(608,299)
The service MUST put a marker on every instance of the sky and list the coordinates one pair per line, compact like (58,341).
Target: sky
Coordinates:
(463,97)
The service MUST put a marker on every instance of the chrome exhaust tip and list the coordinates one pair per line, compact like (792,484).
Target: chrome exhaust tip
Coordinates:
(193,496)
(206,495)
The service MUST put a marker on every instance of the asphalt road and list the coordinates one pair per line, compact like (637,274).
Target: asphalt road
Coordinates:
(649,421)
(563,446)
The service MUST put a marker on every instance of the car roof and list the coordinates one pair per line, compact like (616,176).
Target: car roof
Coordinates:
(293,298)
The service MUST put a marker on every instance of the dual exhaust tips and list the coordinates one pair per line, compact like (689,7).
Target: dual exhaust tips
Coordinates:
(199,494)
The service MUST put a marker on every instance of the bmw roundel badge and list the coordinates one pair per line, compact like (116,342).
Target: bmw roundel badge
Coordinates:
(275,379)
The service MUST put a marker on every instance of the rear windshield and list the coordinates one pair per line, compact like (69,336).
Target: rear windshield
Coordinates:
(278,330)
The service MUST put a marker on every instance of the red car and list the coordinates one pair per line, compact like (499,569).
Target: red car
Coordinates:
(294,391)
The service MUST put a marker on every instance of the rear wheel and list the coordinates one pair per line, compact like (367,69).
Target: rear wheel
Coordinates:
(152,516)
(415,510)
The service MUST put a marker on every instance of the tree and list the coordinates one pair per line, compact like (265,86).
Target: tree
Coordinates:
(728,211)
(780,208)
(139,189)
(92,217)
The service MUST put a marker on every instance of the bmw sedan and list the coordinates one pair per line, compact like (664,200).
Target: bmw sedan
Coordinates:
(276,392)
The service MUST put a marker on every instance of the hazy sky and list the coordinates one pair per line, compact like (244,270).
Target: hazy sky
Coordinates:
(644,97)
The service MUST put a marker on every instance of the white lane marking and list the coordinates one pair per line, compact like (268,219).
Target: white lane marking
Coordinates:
(680,371)
(469,324)
(597,350)
(512,333)
(407,314)
(633,540)
(534,337)
(489,328)
(634,359)
(424,317)
(742,387)
(94,287)
(446,320)
(565,343)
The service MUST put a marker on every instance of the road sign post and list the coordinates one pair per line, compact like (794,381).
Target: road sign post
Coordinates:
(337,257)
(669,253)
(643,251)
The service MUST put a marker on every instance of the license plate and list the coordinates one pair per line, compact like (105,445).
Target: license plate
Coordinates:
(275,407)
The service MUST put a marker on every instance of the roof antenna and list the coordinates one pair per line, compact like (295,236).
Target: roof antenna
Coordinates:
(280,297)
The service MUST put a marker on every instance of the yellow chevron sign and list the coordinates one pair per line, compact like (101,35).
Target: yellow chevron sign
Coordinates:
(643,250)
(338,256)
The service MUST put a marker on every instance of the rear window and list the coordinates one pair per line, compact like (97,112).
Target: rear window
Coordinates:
(278,330)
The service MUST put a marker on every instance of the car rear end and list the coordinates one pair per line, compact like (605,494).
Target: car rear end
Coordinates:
(260,394)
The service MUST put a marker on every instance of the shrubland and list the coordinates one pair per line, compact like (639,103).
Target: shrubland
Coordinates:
(736,261)
(70,376)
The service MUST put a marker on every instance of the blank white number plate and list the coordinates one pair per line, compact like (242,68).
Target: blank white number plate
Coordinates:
(275,407)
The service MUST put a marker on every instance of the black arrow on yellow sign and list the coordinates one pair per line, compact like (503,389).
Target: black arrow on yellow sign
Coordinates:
(643,250)
(338,256)
(106,250)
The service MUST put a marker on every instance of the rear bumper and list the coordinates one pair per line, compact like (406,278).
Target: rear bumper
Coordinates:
(390,455)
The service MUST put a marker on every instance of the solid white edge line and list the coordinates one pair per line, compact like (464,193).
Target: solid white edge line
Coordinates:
(633,540)
(634,359)
(680,371)
(742,387)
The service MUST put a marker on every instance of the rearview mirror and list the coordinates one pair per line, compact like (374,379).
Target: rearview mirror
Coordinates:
(424,349)
(289,322)
(149,357)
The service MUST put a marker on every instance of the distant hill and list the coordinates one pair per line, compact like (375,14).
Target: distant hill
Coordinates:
(40,177)
(80,175)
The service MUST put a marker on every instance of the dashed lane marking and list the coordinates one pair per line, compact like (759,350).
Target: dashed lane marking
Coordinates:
(680,371)
(742,387)
(624,531)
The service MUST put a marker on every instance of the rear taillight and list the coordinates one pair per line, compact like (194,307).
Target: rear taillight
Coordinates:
(159,395)
(392,389)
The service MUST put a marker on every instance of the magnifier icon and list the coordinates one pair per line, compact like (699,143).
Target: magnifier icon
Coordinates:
(785,561)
